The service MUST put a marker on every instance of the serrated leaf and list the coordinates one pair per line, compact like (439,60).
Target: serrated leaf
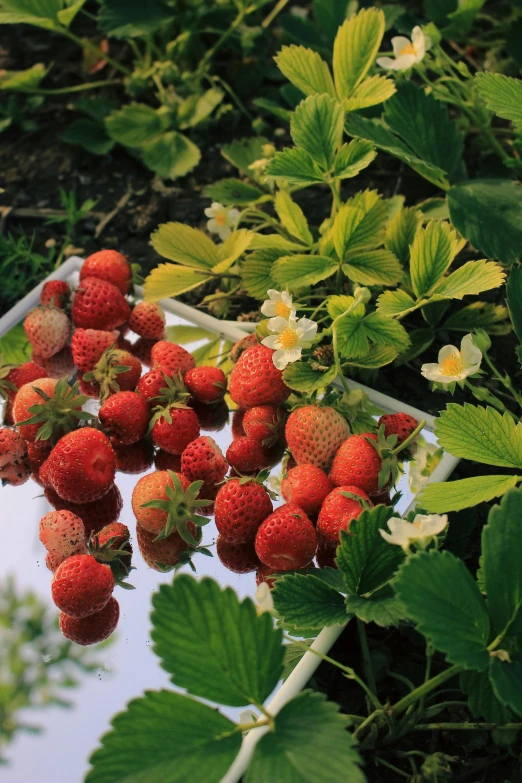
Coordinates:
(18,81)
(470,279)
(351,336)
(480,315)
(301,377)
(293,654)
(385,331)
(427,585)
(355,49)
(241,153)
(317,127)
(384,611)
(67,14)
(337,304)
(232,248)
(39,13)
(514,299)
(370,92)
(200,108)
(274,242)
(394,302)
(121,19)
(364,558)
(88,134)
(401,231)
(214,645)
(171,280)
(359,225)
(233,191)
(292,217)
(185,245)
(323,606)
(300,270)
(432,252)
(379,356)
(14,346)
(353,158)
(295,166)
(480,434)
(306,70)
(184,334)
(310,743)
(502,94)
(374,267)
(482,701)
(506,681)
(171,155)
(256,272)
(134,124)
(464,493)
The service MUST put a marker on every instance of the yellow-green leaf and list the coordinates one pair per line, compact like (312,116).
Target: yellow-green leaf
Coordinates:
(300,270)
(171,280)
(374,267)
(306,70)
(401,231)
(232,248)
(317,127)
(471,278)
(432,252)
(292,217)
(185,245)
(370,92)
(355,49)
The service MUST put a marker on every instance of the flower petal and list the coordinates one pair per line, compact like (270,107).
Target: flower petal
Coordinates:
(399,42)
(386,62)
(447,351)
(271,342)
(404,62)
(274,295)
(278,324)
(471,355)
(280,358)
(417,39)
(268,308)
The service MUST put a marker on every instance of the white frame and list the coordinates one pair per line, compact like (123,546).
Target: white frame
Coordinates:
(235,331)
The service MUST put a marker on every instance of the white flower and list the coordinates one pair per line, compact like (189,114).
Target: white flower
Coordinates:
(222,219)
(454,365)
(263,599)
(406,52)
(422,529)
(278,304)
(292,336)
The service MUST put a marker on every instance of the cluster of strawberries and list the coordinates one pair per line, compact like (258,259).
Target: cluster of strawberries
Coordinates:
(330,477)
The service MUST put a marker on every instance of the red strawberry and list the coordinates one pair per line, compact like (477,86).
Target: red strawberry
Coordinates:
(49,408)
(99,305)
(89,345)
(150,385)
(13,448)
(246,455)
(81,586)
(62,533)
(241,505)
(264,574)
(163,554)
(357,463)
(134,459)
(326,555)
(38,453)
(306,486)
(55,293)
(400,424)
(206,384)
(256,381)
(337,512)
(126,416)
(116,371)
(203,460)
(264,423)
(286,539)
(211,417)
(142,350)
(91,629)
(148,320)
(314,434)
(57,366)
(174,428)
(241,346)
(94,515)
(52,561)
(47,329)
(237,424)
(171,358)
(108,265)
(164,501)
(239,558)
(112,546)
(26,397)
(12,378)
(82,465)
(163,460)
(116,534)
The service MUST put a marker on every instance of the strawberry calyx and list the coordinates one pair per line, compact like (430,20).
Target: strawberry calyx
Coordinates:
(181,508)
(58,414)
(259,479)
(106,371)
(118,560)
(388,450)
(173,392)
(363,502)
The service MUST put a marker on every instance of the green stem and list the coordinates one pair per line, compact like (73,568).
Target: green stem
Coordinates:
(86,44)
(504,381)
(221,40)
(249,726)
(365,650)
(410,438)
(337,361)
(273,13)
(76,88)
(429,656)
(370,719)
(425,688)
(335,187)
(393,768)
(467,727)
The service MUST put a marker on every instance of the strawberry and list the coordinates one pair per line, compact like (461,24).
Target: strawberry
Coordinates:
(337,511)
(47,329)
(47,409)
(82,465)
(241,346)
(239,558)
(203,460)
(357,463)
(163,460)
(206,384)
(52,561)
(314,434)
(38,453)
(55,293)
(99,305)
(164,501)
(174,427)
(148,320)
(164,554)
(108,265)
(89,345)
(11,378)
(171,358)
(62,533)
(116,534)
(94,515)
(264,423)
(306,486)
(158,388)
(59,365)
(264,574)
(81,586)
(136,458)
(125,415)
(381,498)
(112,546)
(211,417)
(115,371)
(142,350)
(14,461)
(286,539)
(91,629)
(256,381)
(246,455)
(326,555)
(237,424)
(400,424)
(241,505)
(15,475)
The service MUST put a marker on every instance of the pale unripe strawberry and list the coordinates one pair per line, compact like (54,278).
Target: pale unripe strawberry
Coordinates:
(47,329)
(314,434)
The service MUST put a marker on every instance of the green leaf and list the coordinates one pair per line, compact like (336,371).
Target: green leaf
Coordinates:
(317,127)
(401,232)
(241,153)
(165,737)
(171,280)
(256,272)
(337,304)
(323,606)
(185,245)
(464,493)
(133,125)
(18,81)
(359,224)
(353,158)
(374,267)
(355,49)
(301,377)
(394,302)
(14,346)
(310,743)
(293,655)
(514,299)
(201,108)
(213,645)
(506,681)
(480,315)
(501,563)
(488,213)
(480,434)
(440,596)
(184,334)
(352,339)
(300,270)
(378,357)
(171,155)
(67,14)
(274,242)
(482,701)
(274,108)
(39,13)
(432,252)
(462,18)
(295,166)
(385,610)
(364,558)
(306,70)
(121,19)
(370,92)
(88,134)
(233,191)
(470,279)
(502,94)
(385,331)
(292,217)
(232,248)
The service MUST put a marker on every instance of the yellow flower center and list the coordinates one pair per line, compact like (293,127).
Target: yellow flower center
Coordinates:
(282,310)
(287,339)
(452,365)
(221,218)
(408,49)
